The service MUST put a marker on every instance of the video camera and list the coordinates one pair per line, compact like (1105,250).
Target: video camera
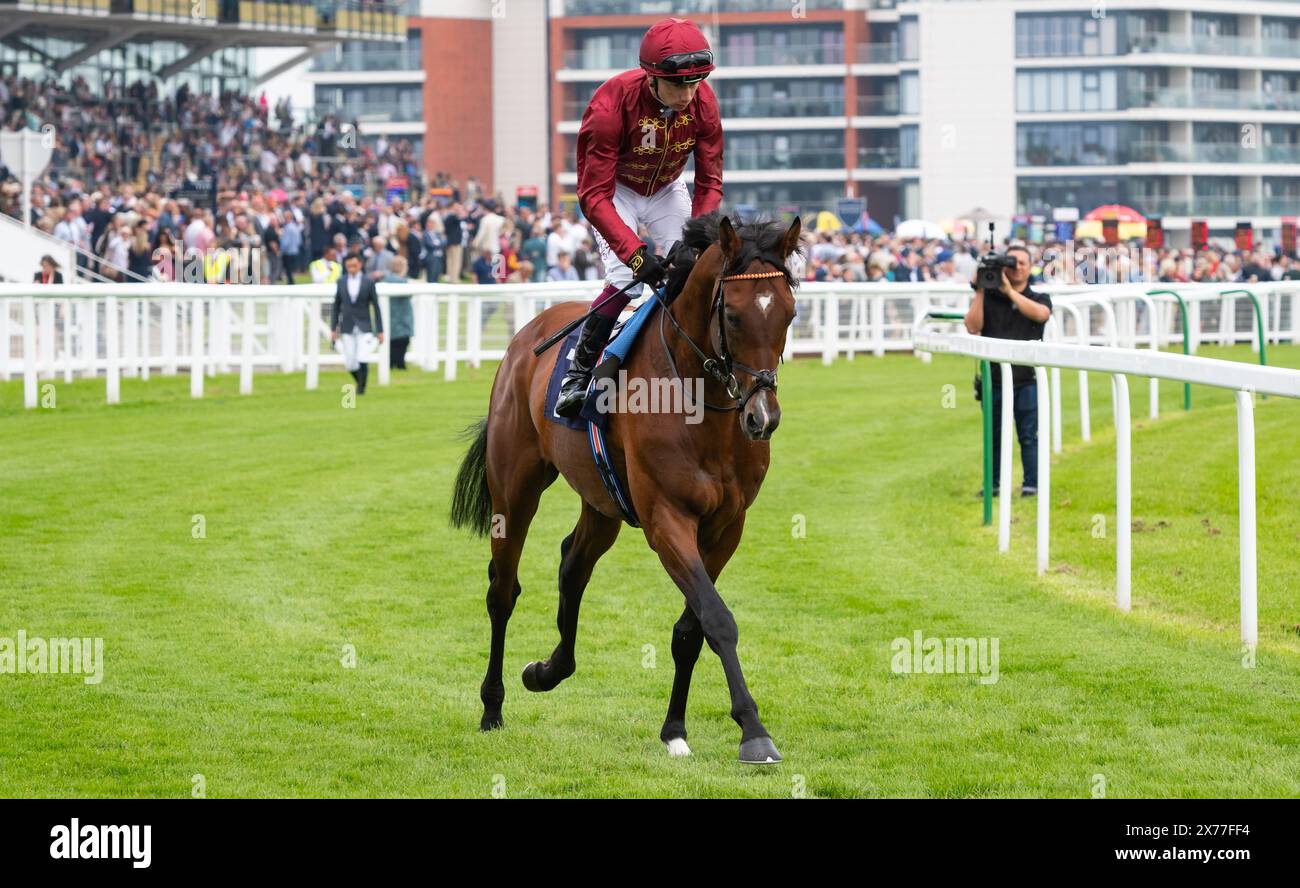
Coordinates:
(988,276)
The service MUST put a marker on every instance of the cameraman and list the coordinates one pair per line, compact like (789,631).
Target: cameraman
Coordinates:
(1013,311)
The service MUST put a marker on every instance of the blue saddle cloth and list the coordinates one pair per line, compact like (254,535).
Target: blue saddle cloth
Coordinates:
(592,421)
(611,359)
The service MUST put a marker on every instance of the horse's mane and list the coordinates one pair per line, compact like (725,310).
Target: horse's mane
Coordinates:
(760,239)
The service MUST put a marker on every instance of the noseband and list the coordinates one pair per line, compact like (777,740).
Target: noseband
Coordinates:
(723,367)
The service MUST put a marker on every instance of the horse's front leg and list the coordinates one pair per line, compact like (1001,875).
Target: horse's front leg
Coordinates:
(673,538)
(688,638)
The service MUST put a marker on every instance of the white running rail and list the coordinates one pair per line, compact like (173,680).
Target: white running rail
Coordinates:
(1244,379)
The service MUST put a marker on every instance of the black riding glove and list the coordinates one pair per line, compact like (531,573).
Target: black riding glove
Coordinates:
(647,268)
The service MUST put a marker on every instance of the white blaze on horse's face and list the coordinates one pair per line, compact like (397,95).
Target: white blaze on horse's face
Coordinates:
(764,300)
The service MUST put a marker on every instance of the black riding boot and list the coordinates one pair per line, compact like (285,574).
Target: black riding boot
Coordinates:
(573,391)
(363,371)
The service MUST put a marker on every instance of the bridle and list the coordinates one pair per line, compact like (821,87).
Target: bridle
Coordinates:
(723,367)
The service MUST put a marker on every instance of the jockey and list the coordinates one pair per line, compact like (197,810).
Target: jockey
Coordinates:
(636,136)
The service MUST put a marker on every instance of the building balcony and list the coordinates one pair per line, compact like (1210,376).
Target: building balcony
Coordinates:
(356,20)
(1233,99)
(880,158)
(1169,44)
(877,106)
(787,107)
(686,7)
(1159,152)
(789,159)
(368,61)
(372,112)
(727,56)
(1201,44)
(1238,207)
(877,54)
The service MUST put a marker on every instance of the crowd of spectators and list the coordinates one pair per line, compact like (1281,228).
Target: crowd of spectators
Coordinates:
(851,257)
(136,172)
(137,175)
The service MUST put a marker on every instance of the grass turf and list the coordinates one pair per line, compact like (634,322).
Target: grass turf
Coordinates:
(326,527)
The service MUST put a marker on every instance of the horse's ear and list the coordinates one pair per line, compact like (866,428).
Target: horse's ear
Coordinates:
(728,240)
(791,242)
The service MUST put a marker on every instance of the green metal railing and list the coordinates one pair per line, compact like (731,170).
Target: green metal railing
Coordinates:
(986,398)
(1187,337)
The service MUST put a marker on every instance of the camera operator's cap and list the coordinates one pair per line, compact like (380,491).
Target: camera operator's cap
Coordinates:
(677,49)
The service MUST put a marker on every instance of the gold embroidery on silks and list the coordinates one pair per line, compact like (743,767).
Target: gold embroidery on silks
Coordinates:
(632,178)
(656,122)
(640,149)
(684,120)
(640,166)
(682,146)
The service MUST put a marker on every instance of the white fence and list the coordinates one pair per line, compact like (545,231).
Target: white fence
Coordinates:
(117,330)
(1245,379)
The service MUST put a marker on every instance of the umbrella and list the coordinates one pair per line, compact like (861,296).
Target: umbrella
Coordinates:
(279,195)
(1115,211)
(867,225)
(828,221)
(918,228)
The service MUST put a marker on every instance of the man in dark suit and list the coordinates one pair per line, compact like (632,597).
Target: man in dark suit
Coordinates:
(350,318)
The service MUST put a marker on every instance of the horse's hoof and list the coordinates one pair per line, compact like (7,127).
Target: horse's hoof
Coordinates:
(530,677)
(490,722)
(677,748)
(759,751)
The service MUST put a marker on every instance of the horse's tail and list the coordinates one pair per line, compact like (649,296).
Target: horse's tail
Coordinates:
(471,503)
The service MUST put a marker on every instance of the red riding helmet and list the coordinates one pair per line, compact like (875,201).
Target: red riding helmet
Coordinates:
(676,48)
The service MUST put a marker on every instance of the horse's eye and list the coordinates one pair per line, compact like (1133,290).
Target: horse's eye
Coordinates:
(733,319)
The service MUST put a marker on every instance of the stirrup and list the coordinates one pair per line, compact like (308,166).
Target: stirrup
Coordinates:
(570,400)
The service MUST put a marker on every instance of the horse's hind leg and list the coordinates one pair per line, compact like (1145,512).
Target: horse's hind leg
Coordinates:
(579,553)
(516,481)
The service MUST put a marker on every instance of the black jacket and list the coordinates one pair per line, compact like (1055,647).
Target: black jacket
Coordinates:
(346,314)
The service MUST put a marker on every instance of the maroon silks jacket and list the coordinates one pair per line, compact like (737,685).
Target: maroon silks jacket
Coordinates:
(624,138)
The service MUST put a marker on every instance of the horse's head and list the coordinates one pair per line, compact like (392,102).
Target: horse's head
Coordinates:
(755,304)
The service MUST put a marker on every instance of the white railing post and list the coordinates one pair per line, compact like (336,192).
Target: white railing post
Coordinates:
(386,347)
(196,348)
(313,344)
(453,323)
(830,328)
(90,336)
(432,338)
(286,343)
(246,349)
(1246,517)
(45,338)
(1057,443)
(4,340)
(1044,470)
(130,331)
(474,331)
(1004,470)
(1085,418)
(1123,494)
(143,350)
(169,327)
(112,354)
(68,327)
(878,324)
(29,352)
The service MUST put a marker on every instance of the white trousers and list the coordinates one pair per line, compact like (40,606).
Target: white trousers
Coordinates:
(663,214)
(357,346)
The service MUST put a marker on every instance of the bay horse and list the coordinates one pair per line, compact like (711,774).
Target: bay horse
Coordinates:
(730,304)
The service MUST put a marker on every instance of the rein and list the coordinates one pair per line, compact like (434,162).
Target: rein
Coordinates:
(723,367)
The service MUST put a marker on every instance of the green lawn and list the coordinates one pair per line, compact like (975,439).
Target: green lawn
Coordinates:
(326,527)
